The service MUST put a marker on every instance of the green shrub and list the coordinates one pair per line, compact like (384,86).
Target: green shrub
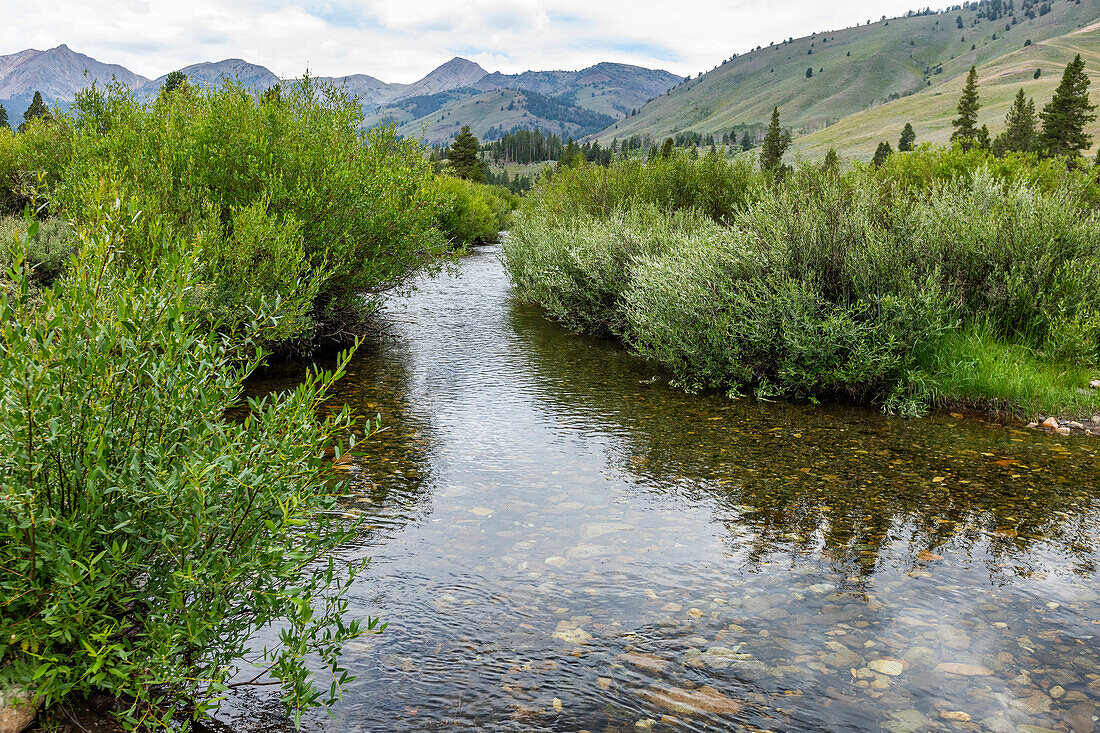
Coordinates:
(824,283)
(47,252)
(712,185)
(1024,261)
(147,538)
(808,295)
(579,269)
(473,213)
(358,208)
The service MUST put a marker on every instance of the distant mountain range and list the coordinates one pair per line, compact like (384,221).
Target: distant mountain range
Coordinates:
(457,93)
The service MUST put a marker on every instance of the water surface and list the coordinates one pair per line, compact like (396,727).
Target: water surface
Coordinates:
(563,542)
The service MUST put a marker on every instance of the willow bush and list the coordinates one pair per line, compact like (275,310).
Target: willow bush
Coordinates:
(282,194)
(825,283)
(146,537)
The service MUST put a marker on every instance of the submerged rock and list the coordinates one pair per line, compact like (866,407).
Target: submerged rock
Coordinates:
(700,701)
(966,670)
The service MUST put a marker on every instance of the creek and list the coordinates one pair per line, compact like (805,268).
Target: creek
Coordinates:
(561,541)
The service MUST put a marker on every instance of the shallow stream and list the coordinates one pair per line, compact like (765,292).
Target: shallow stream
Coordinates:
(563,542)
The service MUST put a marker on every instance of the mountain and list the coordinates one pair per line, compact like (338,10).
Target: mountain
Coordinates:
(370,91)
(454,74)
(438,117)
(569,103)
(887,71)
(460,92)
(212,73)
(58,73)
(613,89)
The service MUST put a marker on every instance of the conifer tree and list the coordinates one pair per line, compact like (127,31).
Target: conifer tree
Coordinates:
(1020,126)
(982,141)
(462,155)
(3,117)
(881,154)
(666,148)
(908,137)
(1067,114)
(174,80)
(966,124)
(775,144)
(36,110)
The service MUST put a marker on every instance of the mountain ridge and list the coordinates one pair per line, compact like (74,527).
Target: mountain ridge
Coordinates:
(567,102)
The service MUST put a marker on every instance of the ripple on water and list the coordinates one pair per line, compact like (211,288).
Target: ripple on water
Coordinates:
(562,542)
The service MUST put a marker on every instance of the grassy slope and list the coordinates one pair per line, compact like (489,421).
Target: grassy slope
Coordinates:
(887,58)
(931,111)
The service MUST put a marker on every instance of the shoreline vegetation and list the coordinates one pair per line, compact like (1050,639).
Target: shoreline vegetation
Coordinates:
(939,278)
(154,255)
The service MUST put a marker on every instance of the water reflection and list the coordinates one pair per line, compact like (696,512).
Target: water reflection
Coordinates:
(563,543)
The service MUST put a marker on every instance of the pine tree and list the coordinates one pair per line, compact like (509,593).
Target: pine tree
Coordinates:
(832,160)
(3,117)
(966,124)
(37,110)
(775,144)
(666,148)
(982,141)
(1067,114)
(1020,125)
(881,154)
(908,137)
(462,155)
(174,80)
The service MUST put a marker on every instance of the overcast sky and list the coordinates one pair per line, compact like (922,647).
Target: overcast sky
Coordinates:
(401,40)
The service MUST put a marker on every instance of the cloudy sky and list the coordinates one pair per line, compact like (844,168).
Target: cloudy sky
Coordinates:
(401,40)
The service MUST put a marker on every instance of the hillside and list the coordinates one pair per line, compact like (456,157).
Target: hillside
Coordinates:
(439,117)
(932,110)
(853,70)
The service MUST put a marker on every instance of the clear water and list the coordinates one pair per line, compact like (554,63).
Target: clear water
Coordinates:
(563,542)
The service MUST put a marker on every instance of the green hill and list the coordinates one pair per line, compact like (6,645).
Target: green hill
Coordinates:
(889,70)
(932,110)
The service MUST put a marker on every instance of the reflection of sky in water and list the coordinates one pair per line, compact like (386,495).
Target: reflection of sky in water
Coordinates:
(562,543)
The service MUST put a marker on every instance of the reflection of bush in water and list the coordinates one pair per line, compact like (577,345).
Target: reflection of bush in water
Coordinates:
(849,485)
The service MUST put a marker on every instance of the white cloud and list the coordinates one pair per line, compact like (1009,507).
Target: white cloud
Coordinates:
(401,40)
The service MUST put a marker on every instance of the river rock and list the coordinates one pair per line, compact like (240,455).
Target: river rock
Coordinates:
(919,655)
(906,721)
(967,670)
(572,636)
(955,716)
(17,709)
(890,667)
(591,530)
(697,702)
(645,662)
(1080,718)
(842,659)
(1032,704)
(586,550)
(1050,422)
